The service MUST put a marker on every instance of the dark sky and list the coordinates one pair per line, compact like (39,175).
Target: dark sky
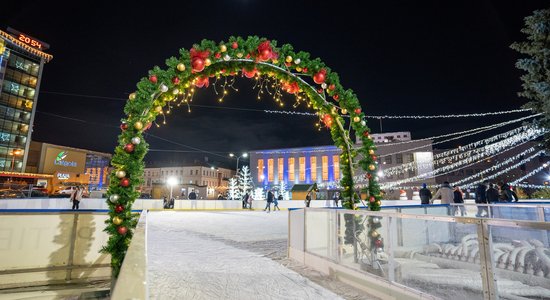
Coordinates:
(400,57)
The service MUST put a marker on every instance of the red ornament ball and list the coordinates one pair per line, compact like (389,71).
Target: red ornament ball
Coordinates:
(366,134)
(249,73)
(198,64)
(304,70)
(234,45)
(372,199)
(320,76)
(288,64)
(122,230)
(336,97)
(320,91)
(265,54)
(153,78)
(124,182)
(175,80)
(378,243)
(357,110)
(218,55)
(331,87)
(129,148)
(124,126)
(119,208)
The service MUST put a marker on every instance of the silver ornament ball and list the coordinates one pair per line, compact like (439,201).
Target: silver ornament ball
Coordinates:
(363,123)
(297,61)
(163,88)
(324,85)
(136,140)
(114,198)
(120,173)
(226,57)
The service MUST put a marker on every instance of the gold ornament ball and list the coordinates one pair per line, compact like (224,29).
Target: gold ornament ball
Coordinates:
(120,174)
(372,167)
(207,62)
(378,203)
(375,234)
(223,48)
(356,119)
(239,55)
(117,220)
(175,91)
(344,111)
(132,96)
(298,69)
(181,67)
(158,109)
(275,61)
(288,59)
(371,152)
(138,125)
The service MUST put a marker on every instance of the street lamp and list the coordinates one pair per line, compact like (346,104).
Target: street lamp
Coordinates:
(245,155)
(14,153)
(171,181)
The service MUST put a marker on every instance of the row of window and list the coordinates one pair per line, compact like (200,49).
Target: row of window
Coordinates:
(25,65)
(20,77)
(18,89)
(398,159)
(9,113)
(16,102)
(291,165)
(210,173)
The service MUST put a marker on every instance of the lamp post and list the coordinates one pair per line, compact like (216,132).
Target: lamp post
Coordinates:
(245,155)
(14,153)
(171,181)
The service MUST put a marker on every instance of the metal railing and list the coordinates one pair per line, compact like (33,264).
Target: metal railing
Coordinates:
(426,256)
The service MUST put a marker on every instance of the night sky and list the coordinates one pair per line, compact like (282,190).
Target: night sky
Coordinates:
(400,57)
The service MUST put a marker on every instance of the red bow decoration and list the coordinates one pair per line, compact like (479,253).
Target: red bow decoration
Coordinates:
(265,52)
(202,81)
(291,88)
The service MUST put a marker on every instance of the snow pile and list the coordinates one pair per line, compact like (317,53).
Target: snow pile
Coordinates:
(191,256)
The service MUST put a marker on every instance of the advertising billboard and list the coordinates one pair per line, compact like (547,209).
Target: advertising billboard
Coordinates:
(63,160)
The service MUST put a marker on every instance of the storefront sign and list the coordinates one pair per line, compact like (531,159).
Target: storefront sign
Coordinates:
(63,160)
(63,176)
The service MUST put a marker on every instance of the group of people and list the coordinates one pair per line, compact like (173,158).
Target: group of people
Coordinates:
(486,193)
(272,199)
(76,197)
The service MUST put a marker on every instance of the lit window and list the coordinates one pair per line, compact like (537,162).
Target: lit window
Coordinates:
(302,166)
(291,169)
(313,161)
(280,168)
(336,166)
(270,170)
(325,167)
(260,169)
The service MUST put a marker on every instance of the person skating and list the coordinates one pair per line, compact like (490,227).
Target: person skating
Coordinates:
(481,200)
(308,198)
(425,194)
(445,192)
(269,201)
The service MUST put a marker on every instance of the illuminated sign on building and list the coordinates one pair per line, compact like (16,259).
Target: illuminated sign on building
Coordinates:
(59,160)
(63,176)
(27,39)
(63,160)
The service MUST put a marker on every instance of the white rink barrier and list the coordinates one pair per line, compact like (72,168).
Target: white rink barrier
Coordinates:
(49,248)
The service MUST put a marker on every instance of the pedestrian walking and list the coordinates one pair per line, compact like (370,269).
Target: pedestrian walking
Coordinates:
(492,194)
(336,198)
(308,198)
(458,198)
(245,200)
(425,194)
(192,195)
(72,199)
(276,203)
(481,200)
(269,201)
(445,192)
(250,200)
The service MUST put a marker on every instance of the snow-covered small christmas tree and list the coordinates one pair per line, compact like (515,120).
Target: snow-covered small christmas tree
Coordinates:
(282,190)
(245,180)
(259,194)
(234,192)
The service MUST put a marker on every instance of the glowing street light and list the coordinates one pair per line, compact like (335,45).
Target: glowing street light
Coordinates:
(14,153)
(171,181)
(245,155)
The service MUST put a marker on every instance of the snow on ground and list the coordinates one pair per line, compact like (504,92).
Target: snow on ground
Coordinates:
(223,255)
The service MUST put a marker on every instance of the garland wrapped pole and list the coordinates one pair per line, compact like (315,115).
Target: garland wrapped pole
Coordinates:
(276,70)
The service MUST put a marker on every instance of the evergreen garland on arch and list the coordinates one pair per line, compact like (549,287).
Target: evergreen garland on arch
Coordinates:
(194,69)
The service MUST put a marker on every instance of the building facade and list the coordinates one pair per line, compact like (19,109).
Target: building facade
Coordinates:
(204,180)
(69,166)
(21,63)
(321,164)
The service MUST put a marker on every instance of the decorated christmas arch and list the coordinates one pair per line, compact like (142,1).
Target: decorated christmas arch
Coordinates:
(278,70)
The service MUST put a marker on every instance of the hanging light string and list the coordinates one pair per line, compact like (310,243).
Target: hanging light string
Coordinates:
(438,172)
(513,136)
(535,171)
(498,165)
(531,186)
(411,116)
(462,132)
(512,167)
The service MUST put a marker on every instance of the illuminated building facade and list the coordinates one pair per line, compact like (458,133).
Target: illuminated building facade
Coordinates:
(21,62)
